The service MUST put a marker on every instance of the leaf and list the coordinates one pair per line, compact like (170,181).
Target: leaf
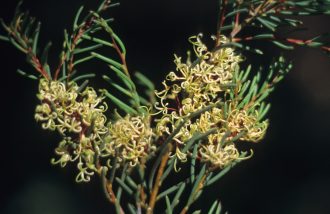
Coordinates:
(144,102)
(131,208)
(264,36)
(242,10)
(218,211)
(102,5)
(121,89)
(84,76)
(122,177)
(243,47)
(225,136)
(169,168)
(227,27)
(44,54)
(113,170)
(197,137)
(196,185)
(168,206)
(283,46)
(46,67)
(238,136)
(67,41)
(163,151)
(143,80)
(262,97)
(193,163)
(213,207)
(90,48)
(30,76)
(119,191)
(264,112)
(28,25)
(82,60)
(221,174)
(107,60)
(97,40)
(126,80)
(116,38)
(82,86)
(121,44)
(35,38)
(268,24)
(4,38)
(120,104)
(135,99)
(177,196)
(169,191)
(124,186)
(18,46)
(75,22)
(131,182)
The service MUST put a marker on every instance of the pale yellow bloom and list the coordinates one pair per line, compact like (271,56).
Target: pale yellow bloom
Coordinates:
(129,139)
(196,85)
(219,156)
(72,113)
(239,121)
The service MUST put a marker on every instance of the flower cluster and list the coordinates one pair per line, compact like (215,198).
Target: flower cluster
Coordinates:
(202,83)
(129,139)
(78,117)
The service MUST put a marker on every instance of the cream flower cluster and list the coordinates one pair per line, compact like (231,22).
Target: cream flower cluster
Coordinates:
(196,85)
(78,117)
(129,139)
(64,109)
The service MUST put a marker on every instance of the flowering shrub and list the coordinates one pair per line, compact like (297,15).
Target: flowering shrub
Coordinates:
(214,102)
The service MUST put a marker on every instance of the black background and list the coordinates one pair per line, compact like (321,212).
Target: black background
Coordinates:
(289,173)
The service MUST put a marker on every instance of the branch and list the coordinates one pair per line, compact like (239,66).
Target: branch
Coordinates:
(158,182)
(294,41)
(110,195)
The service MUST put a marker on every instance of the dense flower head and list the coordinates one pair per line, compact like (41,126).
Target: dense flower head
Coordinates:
(65,109)
(78,117)
(240,121)
(219,155)
(202,83)
(129,139)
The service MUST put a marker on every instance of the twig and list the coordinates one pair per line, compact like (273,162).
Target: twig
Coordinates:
(28,50)
(121,55)
(158,183)
(264,7)
(110,195)
(221,20)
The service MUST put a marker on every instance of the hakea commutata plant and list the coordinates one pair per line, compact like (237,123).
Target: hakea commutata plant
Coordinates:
(205,109)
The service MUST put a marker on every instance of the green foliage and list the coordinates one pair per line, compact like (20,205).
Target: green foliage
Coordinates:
(267,18)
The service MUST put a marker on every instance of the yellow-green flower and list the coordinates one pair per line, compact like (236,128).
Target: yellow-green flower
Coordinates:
(78,117)
(129,139)
(196,85)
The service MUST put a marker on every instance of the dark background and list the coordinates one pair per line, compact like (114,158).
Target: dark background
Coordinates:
(289,173)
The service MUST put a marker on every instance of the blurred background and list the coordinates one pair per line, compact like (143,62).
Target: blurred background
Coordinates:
(289,173)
